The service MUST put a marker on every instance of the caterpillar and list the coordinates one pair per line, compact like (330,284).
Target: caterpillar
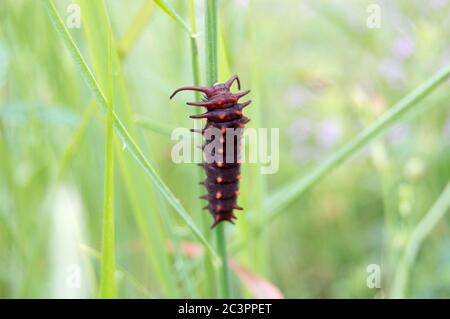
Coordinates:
(222,132)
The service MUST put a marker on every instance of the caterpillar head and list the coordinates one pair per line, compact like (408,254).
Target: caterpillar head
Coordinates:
(210,92)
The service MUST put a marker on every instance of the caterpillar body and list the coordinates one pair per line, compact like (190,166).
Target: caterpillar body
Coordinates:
(222,132)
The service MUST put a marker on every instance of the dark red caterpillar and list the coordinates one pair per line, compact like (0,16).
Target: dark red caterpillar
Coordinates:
(224,115)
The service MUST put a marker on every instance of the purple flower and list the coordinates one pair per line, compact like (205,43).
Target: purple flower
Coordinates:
(301,130)
(398,134)
(328,133)
(392,70)
(312,141)
(296,96)
(404,47)
(437,4)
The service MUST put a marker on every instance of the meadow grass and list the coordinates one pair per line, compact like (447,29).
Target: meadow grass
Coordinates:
(108,264)
(137,228)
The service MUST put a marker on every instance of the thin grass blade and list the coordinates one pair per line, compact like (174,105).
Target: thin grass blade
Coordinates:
(120,129)
(287,194)
(108,267)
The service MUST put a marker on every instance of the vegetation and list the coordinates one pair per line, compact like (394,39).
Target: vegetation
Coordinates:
(91,204)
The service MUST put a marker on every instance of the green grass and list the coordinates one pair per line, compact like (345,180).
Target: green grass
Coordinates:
(107,273)
(276,203)
(420,232)
(122,132)
(130,220)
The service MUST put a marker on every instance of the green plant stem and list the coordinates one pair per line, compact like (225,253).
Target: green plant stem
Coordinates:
(209,270)
(418,236)
(211,41)
(211,78)
(91,252)
(121,131)
(194,46)
(257,252)
(154,246)
(71,148)
(125,44)
(225,272)
(388,182)
(108,267)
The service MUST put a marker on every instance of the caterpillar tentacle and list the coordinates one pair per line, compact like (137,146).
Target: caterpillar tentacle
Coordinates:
(222,112)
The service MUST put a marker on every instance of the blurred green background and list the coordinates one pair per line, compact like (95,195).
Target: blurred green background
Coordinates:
(316,72)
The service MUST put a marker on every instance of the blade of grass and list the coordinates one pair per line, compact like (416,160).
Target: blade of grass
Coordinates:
(91,252)
(194,47)
(135,29)
(171,13)
(150,204)
(153,125)
(285,195)
(158,260)
(108,268)
(276,203)
(415,241)
(211,78)
(131,35)
(77,137)
(256,182)
(120,129)
(385,167)
(209,271)
(155,247)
